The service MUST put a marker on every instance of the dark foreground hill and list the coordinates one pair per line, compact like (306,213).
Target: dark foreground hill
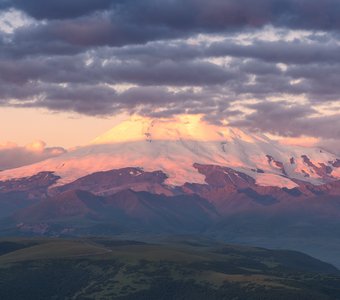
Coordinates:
(101,268)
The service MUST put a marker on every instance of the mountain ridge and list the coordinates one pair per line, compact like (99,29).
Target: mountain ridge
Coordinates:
(175,146)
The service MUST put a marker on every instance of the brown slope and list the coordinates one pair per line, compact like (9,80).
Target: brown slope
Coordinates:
(34,187)
(176,212)
(66,205)
(132,210)
(110,182)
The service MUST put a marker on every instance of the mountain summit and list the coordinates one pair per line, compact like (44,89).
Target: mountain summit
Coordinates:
(183,127)
(174,146)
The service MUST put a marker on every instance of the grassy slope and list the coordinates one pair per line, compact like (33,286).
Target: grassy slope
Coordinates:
(113,269)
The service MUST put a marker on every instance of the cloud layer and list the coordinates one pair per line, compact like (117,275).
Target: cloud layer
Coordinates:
(13,156)
(269,65)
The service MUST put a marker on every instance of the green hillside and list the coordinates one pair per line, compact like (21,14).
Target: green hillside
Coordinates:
(102,268)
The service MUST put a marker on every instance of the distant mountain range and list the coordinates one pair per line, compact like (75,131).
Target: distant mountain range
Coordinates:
(186,176)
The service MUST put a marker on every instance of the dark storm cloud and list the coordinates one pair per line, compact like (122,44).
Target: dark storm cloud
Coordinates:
(57,9)
(71,55)
(288,52)
(63,83)
(89,100)
(104,100)
(193,14)
(285,119)
(320,81)
(136,22)
(296,52)
(75,36)
(75,70)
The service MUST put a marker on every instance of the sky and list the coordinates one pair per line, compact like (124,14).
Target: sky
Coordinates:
(70,70)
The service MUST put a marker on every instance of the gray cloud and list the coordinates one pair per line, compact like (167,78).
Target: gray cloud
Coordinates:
(192,14)
(70,26)
(295,52)
(101,100)
(73,54)
(57,9)
(75,70)
(284,119)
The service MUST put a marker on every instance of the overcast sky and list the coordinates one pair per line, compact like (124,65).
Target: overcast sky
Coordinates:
(267,65)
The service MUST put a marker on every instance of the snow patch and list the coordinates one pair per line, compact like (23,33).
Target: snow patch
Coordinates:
(275,180)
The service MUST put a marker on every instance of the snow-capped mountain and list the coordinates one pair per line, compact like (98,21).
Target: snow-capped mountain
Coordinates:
(181,176)
(174,146)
